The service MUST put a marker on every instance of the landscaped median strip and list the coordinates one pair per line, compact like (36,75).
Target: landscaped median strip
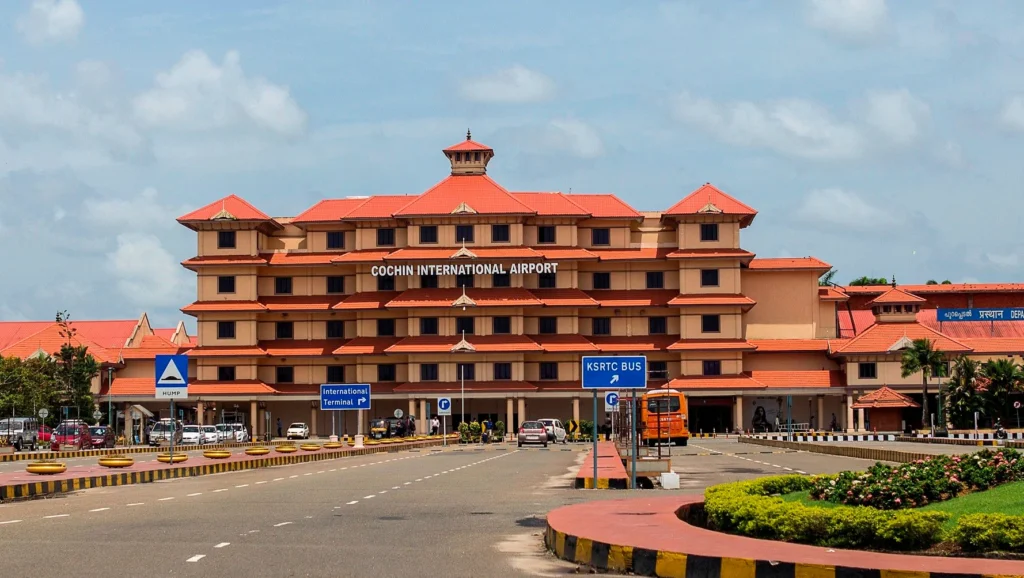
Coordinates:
(22,456)
(864,453)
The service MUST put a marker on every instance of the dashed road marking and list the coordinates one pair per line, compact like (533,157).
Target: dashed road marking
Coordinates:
(100,510)
(281,524)
(9,522)
(242,486)
(137,504)
(352,502)
(196,558)
(220,490)
(194,495)
(369,497)
(165,499)
(56,516)
(263,482)
(222,544)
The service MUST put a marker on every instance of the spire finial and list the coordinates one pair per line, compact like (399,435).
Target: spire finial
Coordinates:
(893,280)
(469,135)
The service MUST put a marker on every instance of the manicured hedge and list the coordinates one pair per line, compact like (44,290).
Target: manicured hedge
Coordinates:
(989,533)
(753,508)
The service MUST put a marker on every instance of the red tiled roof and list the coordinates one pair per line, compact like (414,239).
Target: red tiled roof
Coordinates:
(366,346)
(479,192)
(237,387)
(564,253)
(880,337)
(1014,345)
(800,378)
(12,332)
(829,293)
(853,322)
(895,295)
(604,206)
(473,386)
(564,343)
(132,386)
(222,261)
(711,345)
(300,258)
(301,347)
(368,300)
(637,343)
(551,204)
(481,343)
(546,385)
(467,145)
(202,306)
(494,297)
(788,263)
(884,397)
(49,340)
(717,382)
(633,297)
(641,254)
(149,347)
(361,256)
(234,205)
(708,199)
(300,302)
(563,298)
(789,345)
(446,253)
(227,351)
(939,288)
(710,254)
(379,207)
(328,210)
(711,300)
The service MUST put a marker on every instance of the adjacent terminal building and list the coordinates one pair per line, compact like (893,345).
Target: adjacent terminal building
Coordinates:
(470,287)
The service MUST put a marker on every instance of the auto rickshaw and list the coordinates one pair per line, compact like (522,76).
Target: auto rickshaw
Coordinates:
(378,429)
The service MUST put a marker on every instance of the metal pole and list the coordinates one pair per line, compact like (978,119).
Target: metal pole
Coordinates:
(593,427)
(462,382)
(444,431)
(632,478)
(173,428)
(789,417)
(659,428)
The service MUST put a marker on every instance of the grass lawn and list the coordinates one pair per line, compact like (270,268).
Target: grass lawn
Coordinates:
(1004,499)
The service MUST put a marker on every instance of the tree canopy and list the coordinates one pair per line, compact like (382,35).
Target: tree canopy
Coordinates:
(861,281)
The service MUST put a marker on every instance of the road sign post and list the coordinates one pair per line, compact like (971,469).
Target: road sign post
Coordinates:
(613,372)
(344,396)
(171,383)
(444,409)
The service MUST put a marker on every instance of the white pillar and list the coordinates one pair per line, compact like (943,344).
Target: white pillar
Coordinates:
(421,426)
(738,414)
(849,414)
(509,414)
(576,409)
(522,412)
(860,420)
(822,424)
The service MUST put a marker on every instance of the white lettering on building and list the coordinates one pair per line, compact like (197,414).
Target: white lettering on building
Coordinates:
(464,269)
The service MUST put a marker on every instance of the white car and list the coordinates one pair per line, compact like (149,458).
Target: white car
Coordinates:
(298,430)
(192,435)
(240,434)
(224,432)
(210,435)
(556,432)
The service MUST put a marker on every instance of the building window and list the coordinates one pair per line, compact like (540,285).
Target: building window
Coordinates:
(225,330)
(501,280)
(335,239)
(547,281)
(465,325)
(711,323)
(282,285)
(655,279)
(709,277)
(428,372)
(226,240)
(548,325)
(867,370)
(284,330)
(335,329)
(502,371)
(335,284)
(464,233)
(385,237)
(500,234)
(428,234)
(428,281)
(709,232)
(549,370)
(386,372)
(428,325)
(657,325)
(386,283)
(226,373)
(335,374)
(285,374)
(601,326)
(226,284)
(600,237)
(466,371)
(657,370)
(501,325)
(712,367)
(385,328)
(546,234)
(602,280)
(464,281)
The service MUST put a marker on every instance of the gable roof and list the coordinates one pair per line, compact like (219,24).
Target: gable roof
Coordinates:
(604,206)
(884,397)
(896,296)
(328,210)
(887,338)
(479,193)
(231,207)
(709,199)
(468,145)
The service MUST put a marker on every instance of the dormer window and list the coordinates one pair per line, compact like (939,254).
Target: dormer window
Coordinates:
(226,240)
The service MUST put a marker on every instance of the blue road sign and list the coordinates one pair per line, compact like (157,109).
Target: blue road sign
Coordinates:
(985,314)
(444,406)
(611,401)
(615,372)
(341,396)
(171,376)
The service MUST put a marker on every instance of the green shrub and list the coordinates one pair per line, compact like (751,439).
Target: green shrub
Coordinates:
(753,508)
(989,533)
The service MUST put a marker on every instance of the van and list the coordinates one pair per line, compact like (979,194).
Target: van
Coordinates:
(21,432)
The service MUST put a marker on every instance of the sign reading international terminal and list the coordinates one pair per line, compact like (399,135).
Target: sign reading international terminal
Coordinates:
(981,314)
(463,269)
(342,396)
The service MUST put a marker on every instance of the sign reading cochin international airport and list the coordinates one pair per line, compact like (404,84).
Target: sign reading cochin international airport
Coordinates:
(464,269)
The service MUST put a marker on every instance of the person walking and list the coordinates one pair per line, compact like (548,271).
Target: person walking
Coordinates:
(435,425)
(279,431)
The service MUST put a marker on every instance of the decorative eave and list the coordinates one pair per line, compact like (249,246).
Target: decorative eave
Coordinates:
(464,300)
(463,253)
(463,346)
(464,209)
(901,344)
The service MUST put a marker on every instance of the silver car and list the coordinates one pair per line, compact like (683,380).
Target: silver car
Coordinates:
(532,432)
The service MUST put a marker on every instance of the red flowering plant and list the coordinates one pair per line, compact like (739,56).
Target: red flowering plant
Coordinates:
(920,482)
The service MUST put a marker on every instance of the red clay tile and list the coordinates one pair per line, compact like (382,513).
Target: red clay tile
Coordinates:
(708,199)
(788,263)
(232,205)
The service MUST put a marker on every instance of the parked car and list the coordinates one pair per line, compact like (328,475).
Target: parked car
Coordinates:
(102,436)
(72,433)
(45,433)
(21,432)
(298,430)
(224,432)
(191,435)
(532,432)
(210,434)
(555,429)
(164,431)
(241,435)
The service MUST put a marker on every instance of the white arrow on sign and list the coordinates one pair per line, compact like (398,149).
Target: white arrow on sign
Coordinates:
(362,400)
(615,378)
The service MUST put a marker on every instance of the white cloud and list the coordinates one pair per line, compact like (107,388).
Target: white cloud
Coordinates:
(147,274)
(141,213)
(791,127)
(51,21)
(516,84)
(857,20)
(897,114)
(576,137)
(834,206)
(1012,115)
(197,94)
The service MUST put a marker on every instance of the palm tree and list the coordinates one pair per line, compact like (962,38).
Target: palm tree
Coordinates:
(1004,377)
(962,395)
(827,278)
(923,357)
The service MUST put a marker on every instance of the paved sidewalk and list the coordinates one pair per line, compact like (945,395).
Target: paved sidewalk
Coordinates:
(611,474)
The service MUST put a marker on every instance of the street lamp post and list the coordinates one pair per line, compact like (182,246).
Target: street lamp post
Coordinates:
(110,403)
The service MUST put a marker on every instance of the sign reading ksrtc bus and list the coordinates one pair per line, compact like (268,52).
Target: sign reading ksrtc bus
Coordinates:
(981,314)
(615,372)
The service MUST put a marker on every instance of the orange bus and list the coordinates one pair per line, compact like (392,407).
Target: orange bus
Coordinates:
(673,410)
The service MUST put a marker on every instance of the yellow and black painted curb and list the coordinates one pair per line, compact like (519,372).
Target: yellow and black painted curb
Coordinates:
(21,456)
(863,453)
(644,562)
(43,488)
(602,483)
(948,441)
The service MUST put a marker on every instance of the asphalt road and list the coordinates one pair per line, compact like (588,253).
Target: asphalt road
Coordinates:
(458,512)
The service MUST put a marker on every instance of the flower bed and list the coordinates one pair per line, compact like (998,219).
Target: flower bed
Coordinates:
(921,482)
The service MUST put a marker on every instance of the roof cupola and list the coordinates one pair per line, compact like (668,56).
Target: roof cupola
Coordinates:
(469,157)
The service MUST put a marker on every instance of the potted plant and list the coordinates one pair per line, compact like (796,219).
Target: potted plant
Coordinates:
(464,436)
(474,431)
(5,445)
(499,431)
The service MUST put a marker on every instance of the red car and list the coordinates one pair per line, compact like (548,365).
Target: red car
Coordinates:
(102,436)
(72,434)
(45,433)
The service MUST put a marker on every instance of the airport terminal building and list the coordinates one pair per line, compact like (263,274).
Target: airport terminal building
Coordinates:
(471,287)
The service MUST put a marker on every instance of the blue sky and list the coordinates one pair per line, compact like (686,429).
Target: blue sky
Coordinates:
(884,138)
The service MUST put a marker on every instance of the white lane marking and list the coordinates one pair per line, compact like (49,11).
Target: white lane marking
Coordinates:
(382,492)
(776,466)
(320,472)
(295,476)
(308,474)
(277,479)
(243,486)
(406,483)
(263,482)
(419,479)
(196,558)
(137,504)
(222,544)
(57,516)
(100,510)
(9,522)
(352,502)
(194,495)
(220,490)
(281,524)
(165,499)
(368,497)
(334,470)
(396,487)
(800,472)
(787,469)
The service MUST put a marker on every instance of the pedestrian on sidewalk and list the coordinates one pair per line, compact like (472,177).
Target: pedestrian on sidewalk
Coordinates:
(279,432)
(435,425)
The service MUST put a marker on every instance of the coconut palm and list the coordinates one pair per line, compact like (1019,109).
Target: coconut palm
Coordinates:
(1004,377)
(962,395)
(923,357)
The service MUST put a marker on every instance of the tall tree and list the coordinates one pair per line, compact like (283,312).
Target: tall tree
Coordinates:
(923,357)
(1004,377)
(827,278)
(962,395)
(861,281)
(75,368)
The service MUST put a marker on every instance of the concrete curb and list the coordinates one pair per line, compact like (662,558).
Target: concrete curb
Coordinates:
(22,456)
(874,454)
(602,484)
(947,441)
(50,487)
